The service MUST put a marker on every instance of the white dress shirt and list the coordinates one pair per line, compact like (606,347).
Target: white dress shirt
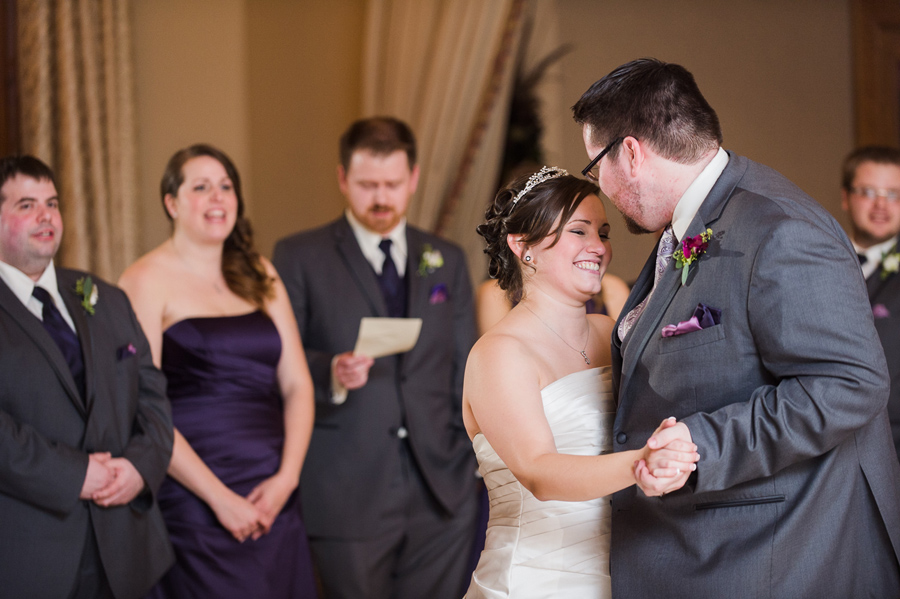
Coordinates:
(369,241)
(873,255)
(22,286)
(687,207)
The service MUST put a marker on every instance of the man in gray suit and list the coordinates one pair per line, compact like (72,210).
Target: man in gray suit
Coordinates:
(765,352)
(870,195)
(388,484)
(85,428)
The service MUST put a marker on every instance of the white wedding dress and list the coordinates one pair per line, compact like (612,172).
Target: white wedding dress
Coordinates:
(540,549)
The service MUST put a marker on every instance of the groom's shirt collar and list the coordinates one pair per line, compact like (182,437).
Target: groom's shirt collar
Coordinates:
(22,286)
(687,207)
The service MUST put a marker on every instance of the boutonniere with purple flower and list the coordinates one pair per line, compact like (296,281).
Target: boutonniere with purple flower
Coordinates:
(690,250)
(430,260)
(890,263)
(87,291)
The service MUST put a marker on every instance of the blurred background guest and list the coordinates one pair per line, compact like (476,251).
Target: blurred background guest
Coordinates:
(221,327)
(870,195)
(389,484)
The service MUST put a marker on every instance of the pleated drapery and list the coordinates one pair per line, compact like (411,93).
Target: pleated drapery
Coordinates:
(77,98)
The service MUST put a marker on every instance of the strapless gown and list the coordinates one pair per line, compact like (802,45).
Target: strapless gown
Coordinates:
(226,402)
(540,549)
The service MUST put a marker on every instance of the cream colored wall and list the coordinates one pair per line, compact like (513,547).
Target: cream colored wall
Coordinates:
(190,79)
(274,82)
(777,73)
(305,60)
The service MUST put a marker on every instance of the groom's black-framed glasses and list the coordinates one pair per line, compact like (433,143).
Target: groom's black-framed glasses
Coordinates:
(589,169)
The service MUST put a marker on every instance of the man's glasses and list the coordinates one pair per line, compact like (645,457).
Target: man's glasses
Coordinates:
(871,193)
(589,169)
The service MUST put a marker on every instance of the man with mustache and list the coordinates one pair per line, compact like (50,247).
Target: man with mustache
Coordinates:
(85,427)
(388,484)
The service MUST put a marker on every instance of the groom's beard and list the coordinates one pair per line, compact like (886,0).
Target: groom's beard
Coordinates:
(633,227)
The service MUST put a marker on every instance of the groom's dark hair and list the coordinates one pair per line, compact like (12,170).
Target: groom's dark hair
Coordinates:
(28,166)
(655,102)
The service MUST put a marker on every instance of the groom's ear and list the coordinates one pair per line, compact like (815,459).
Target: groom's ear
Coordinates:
(516,244)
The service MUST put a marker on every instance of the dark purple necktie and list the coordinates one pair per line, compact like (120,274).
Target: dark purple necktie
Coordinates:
(391,284)
(63,335)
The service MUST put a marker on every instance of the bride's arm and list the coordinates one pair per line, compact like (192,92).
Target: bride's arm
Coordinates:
(502,389)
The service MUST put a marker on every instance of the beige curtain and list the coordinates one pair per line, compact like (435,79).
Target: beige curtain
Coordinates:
(77,100)
(447,68)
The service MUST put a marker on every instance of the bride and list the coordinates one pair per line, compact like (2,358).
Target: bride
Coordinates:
(538,401)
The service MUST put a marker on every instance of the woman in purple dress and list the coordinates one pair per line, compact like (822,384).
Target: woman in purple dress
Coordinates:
(221,327)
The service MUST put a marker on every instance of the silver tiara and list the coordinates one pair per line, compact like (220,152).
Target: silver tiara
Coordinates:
(545,174)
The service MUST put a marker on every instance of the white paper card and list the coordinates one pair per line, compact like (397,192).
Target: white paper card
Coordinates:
(386,336)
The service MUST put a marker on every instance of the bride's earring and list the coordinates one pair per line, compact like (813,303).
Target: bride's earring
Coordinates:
(527,258)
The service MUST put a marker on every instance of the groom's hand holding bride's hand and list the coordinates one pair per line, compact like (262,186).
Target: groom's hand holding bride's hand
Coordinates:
(669,458)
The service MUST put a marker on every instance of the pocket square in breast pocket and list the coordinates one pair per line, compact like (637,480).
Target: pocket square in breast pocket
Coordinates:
(439,294)
(703,318)
(125,351)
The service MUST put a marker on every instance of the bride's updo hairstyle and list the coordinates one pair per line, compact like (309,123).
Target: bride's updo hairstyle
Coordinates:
(529,206)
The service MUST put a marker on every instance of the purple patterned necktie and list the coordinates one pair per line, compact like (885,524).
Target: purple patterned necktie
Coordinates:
(391,283)
(663,253)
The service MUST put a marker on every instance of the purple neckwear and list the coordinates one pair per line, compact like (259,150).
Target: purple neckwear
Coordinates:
(391,284)
(664,251)
(63,335)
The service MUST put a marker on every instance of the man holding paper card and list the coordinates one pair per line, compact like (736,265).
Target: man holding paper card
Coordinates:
(387,486)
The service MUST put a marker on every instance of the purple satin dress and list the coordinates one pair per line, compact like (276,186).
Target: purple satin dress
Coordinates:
(226,402)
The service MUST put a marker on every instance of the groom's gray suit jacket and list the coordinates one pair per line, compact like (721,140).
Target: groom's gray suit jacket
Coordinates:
(47,431)
(797,493)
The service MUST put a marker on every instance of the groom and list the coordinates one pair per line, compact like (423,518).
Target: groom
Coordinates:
(781,381)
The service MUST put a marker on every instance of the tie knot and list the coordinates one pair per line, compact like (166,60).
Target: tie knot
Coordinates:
(42,295)
(385,246)
(862,258)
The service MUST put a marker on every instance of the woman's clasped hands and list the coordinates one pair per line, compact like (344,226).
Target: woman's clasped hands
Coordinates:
(669,458)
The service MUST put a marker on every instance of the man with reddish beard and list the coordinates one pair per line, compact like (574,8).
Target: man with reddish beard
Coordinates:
(85,428)
(388,482)
(870,196)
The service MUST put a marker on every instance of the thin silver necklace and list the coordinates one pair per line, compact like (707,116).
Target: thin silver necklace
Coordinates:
(583,352)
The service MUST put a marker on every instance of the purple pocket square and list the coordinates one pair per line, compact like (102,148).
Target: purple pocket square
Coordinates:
(880,311)
(439,294)
(125,351)
(703,318)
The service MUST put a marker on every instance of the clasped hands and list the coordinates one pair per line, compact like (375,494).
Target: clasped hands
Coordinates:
(669,458)
(110,481)
(253,516)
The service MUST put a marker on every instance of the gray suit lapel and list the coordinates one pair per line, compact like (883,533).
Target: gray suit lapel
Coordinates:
(66,284)
(360,269)
(670,282)
(415,285)
(32,326)
(875,283)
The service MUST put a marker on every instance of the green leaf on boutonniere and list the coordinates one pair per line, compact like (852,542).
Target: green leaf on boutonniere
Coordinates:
(87,291)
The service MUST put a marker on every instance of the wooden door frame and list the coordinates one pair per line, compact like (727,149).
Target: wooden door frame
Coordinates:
(876,61)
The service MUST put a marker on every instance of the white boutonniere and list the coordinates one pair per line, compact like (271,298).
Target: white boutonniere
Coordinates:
(890,263)
(430,261)
(87,291)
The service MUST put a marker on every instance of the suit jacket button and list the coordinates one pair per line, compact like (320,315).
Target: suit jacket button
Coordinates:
(402,433)
(621,438)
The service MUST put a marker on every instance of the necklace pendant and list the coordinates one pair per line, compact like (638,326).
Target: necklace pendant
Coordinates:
(586,359)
